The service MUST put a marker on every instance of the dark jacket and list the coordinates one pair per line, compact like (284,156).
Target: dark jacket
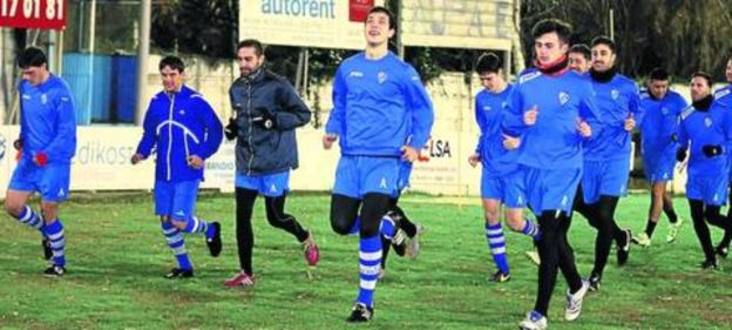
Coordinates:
(262,151)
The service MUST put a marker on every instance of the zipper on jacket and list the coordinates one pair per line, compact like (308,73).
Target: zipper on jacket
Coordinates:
(249,138)
(170,133)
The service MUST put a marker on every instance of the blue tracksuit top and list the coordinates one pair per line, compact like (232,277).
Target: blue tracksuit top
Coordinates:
(179,125)
(660,122)
(616,99)
(379,106)
(553,142)
(48,120)
(489,112)
(699,128)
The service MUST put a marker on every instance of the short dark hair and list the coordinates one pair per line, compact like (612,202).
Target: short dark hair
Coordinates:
(604,40)
(581,49)
(172,61)
(32,56)
(384,10)
(703,75)
(488,62)
(659,74)
(549,25)
(253,43)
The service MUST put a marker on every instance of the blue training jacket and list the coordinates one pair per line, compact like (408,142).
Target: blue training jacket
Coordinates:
(48,120)
(553,142)
(379,106)
(179,125)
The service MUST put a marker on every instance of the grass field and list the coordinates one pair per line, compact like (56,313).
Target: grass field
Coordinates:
(117,257)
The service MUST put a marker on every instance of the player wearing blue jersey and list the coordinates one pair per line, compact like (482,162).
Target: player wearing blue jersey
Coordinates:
(706,129)
(607,155)
(551,110)
(381,115)
(724,96)
(184,131)
(501,180)
(662,108)
(580,57)
(46,145)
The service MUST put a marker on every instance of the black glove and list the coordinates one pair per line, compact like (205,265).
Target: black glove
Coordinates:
(712,150)
(267,120)
(18,144)
(231,130)
(680,155)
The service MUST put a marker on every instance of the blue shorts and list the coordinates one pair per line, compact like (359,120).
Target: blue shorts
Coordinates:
(405,170)
(271,185)
(659,167)
(508,188)
(609,178)
(711,190)
(51,181)
(176,199)
(357,176)
(551,189)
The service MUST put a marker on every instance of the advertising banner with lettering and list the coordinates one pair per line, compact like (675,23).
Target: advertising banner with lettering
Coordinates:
(305,23)
(478,24)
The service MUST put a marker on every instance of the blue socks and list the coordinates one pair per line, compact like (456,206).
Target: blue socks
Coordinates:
(174,237)
(531,230)
(31,218)
(369,256)
(55,233)
(497,245)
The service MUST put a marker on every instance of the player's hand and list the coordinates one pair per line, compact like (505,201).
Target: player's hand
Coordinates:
(629,123)
(328,140)
(410,154)
(232,129)
(267,120)
(474,159)
(18,144)
(584,128)
(680,155)
(530,116)
(510,142)
(40,158)
(136,158)
(195,162)
(712,150)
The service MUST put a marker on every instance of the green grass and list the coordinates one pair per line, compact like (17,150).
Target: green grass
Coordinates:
(117,257)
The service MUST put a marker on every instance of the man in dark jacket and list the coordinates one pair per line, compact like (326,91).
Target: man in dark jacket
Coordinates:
(267,110)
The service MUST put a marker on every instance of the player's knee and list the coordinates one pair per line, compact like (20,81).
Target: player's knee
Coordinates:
(516,223)
(491,216)
(178,223)
(340,224)
(14,208)
(49,211)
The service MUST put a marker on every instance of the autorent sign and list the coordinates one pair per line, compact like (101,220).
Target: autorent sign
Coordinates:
(479,24)
(33,14)
(305,23)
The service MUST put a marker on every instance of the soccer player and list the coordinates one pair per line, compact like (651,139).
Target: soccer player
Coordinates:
(47,143)
(580,58)
(268,110)
(381,113)
(607,155)
(501,179)
(551,110)
(184,131)
(707,127)
(662,108)
(724,96)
